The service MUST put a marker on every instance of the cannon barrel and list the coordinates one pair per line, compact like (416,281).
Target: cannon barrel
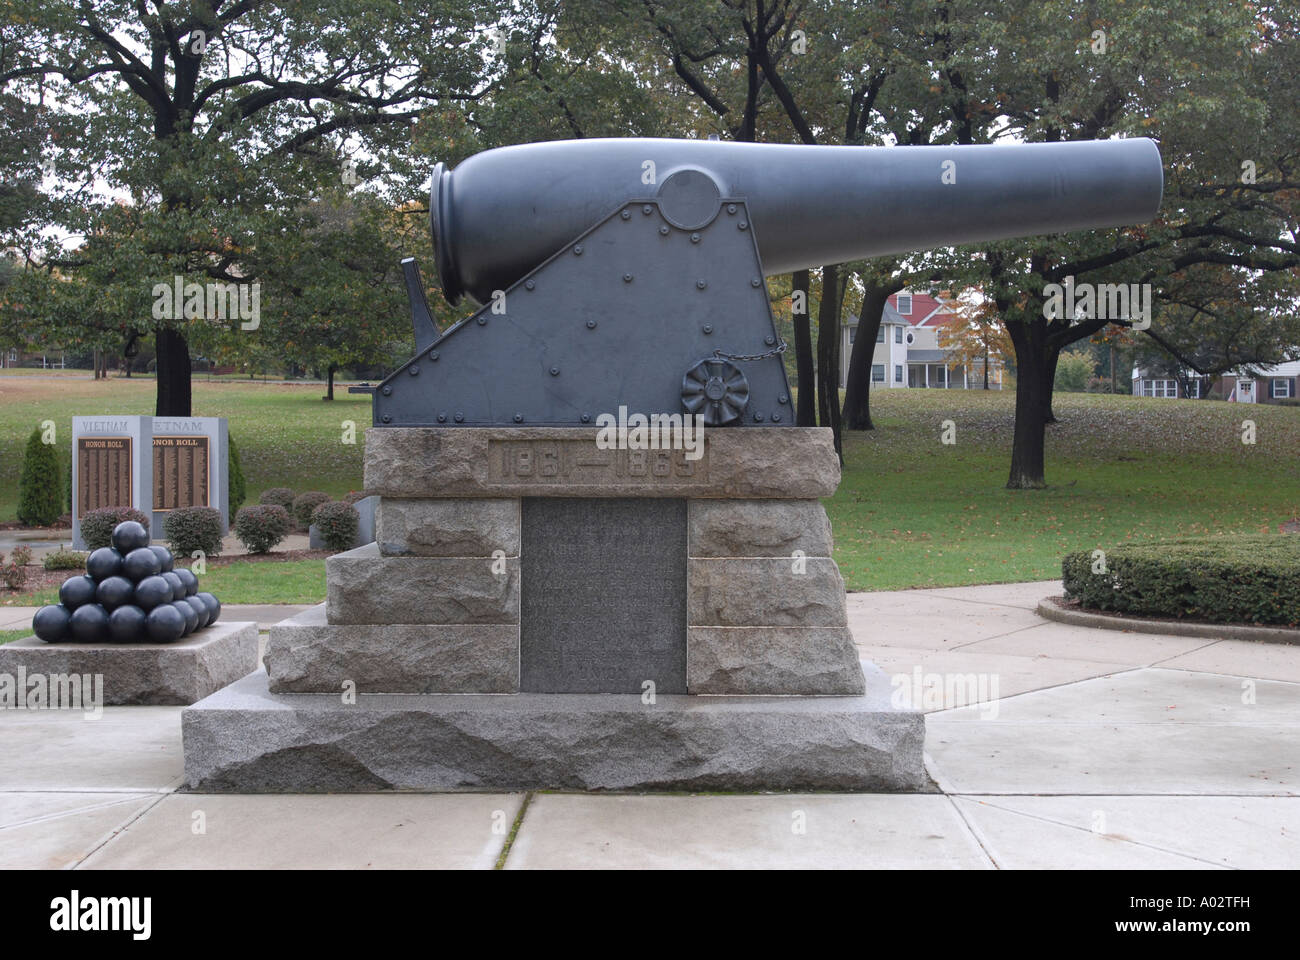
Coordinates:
(501,213)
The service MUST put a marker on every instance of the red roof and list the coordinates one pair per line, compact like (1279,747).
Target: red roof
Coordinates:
(923,305)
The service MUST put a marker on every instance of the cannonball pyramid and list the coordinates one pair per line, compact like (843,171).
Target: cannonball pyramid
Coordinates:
(132,592)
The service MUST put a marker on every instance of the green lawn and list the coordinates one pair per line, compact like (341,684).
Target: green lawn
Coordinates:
(912,512)
(8,636)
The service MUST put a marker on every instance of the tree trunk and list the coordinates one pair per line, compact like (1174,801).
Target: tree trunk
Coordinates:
(1049,384)
(173,375)
(828,355)
(806,410)
(1112,368)
(1033,400)
(857,392)
(986,366)
(329,380)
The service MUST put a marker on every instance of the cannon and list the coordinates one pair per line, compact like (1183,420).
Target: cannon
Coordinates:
(628,273)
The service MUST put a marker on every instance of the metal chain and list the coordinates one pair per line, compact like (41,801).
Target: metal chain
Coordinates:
(774,352)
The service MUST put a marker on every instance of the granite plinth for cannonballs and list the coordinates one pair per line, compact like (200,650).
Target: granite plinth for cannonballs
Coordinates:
(179,673)
(245,739)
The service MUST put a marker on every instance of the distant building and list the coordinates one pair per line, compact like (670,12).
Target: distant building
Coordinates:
(908,354)
(1268,385)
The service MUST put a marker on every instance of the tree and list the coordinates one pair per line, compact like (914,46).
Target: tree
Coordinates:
(40,487)
(218,120)
(975,334)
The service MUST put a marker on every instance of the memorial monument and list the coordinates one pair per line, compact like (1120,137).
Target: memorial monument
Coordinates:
(571,587)
(154,464)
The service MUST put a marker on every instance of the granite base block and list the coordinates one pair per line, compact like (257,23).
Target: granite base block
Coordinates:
(768,661)
(306,654)
(244,739)
(178,673)
(363,587)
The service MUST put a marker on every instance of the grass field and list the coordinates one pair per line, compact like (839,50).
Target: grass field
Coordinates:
(913,512)
(910,511)
(287,436)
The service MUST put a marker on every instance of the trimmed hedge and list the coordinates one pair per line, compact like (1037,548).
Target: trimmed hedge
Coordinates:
(277,496)
(40,485)
(305,504)
(193,528)
(1245,579)
(65,559)
(97,526)
(261,527)
(337,524)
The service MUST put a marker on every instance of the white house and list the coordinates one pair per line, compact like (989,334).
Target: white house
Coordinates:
(907,352)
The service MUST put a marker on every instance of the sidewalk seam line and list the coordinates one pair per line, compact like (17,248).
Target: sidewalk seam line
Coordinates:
(514,832)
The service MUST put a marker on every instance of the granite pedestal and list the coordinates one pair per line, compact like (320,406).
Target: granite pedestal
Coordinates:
(652,620)
(179,673)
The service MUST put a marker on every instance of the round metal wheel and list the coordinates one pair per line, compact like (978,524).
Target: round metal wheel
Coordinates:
(715,390)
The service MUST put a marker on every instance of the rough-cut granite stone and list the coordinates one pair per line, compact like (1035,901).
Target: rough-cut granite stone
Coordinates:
(448,528)
(758,528)
(146,673)
(739,462)
(305,654)
(245,739)
(765,661)
(763,592)
(363,587)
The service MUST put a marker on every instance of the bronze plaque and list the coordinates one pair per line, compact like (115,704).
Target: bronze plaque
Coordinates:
(103,473)
(180,472)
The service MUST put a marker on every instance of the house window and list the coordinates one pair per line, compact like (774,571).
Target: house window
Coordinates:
(880,334)
(1194,389)
(905,304)
(13,356)
(1281,389)
(898,334)
(898,373)
(853,334)
(877,373)
(1160,388)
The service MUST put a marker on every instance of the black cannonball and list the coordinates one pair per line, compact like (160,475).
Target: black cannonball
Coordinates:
(89,623)
(77,591)
(130,535)
(213,605)
(152,591)
(165,623)
(189,579)
(164,556)
(114,592)
(51,623)
(140,563)
(104,563)
(177,584)
(191,618)
(201,609)
(128,624)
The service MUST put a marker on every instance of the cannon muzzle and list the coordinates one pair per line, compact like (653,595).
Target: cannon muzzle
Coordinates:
(503,212)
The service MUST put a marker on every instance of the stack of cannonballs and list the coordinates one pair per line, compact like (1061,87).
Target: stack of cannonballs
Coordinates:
(129,594)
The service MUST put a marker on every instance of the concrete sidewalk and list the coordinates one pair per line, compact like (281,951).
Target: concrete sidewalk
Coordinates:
(1102,749)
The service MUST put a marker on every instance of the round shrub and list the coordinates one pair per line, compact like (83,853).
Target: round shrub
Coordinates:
(304,504)
(65,559)
(260,528)
(236,488)
(336,523)
(97,526)
(193,528)
(277,496)
(40,486)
